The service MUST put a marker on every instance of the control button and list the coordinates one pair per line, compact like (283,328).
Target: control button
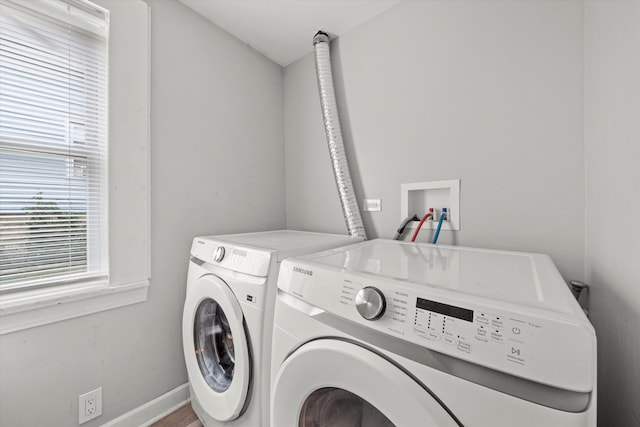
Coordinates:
(434,337)
(517,353)
(497,322)
(218,255)
(517,330)
(482,318)
(481,334)
(465,347)
(370,303)
(449,340)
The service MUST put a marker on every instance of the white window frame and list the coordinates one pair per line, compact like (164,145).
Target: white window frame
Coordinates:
(56,71)
(129,188)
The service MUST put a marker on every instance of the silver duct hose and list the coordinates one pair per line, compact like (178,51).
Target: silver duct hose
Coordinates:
(333,133)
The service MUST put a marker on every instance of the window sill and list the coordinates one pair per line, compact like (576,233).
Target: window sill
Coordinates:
(23,310)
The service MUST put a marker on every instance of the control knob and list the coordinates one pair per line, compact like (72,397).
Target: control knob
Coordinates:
(218,255)
(370,303)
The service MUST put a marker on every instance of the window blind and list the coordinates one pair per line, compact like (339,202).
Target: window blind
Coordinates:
(53,142)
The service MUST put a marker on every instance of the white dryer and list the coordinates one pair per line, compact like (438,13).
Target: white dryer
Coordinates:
(228,318)
(386,333)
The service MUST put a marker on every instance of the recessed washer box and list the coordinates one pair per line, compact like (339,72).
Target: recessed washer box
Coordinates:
(418,197)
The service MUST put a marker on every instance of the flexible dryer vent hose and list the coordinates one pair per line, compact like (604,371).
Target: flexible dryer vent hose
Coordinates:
(333,133)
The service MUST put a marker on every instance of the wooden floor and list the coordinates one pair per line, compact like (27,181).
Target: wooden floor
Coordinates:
(183,417)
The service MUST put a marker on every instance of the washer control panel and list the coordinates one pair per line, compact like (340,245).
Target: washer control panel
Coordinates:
(455,328)
(468,331)
(446,323)
(511,338)
(504,340)
(233,257)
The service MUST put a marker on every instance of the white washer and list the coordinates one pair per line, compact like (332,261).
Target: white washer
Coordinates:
(385,333)
(228,318)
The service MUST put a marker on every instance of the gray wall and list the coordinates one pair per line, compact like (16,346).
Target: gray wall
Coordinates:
(612,136)
(488,92)
(217,166)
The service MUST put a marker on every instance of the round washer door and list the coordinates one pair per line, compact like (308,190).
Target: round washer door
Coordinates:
(331,382)
(216,349)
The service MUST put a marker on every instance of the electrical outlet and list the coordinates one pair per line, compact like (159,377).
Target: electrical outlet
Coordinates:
(373,205)
(89,405)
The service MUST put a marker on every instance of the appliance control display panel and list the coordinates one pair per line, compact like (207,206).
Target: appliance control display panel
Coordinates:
(443,322)
(233,257)
(515,339)
(458,329)
(467,331)
(454,328)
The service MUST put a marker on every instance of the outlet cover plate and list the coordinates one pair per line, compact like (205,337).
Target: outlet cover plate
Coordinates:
(89,405)
(372,205)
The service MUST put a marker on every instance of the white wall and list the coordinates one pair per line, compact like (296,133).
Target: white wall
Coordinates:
(489,92)
(612,154)
(216,166)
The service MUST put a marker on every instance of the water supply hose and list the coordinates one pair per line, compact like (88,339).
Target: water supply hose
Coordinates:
(333,133)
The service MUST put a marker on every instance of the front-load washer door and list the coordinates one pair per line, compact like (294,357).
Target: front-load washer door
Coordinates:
(216,348)
(330,382)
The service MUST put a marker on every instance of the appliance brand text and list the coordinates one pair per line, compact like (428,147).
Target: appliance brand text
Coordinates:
(303,271)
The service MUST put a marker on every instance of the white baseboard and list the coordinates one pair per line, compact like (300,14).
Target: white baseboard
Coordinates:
(153,410)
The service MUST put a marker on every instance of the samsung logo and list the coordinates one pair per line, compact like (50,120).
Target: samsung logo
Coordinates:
(303,271)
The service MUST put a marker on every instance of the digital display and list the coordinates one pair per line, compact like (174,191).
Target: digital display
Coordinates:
(445,309)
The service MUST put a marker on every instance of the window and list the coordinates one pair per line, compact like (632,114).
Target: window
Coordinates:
(53,143)
(129,246)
